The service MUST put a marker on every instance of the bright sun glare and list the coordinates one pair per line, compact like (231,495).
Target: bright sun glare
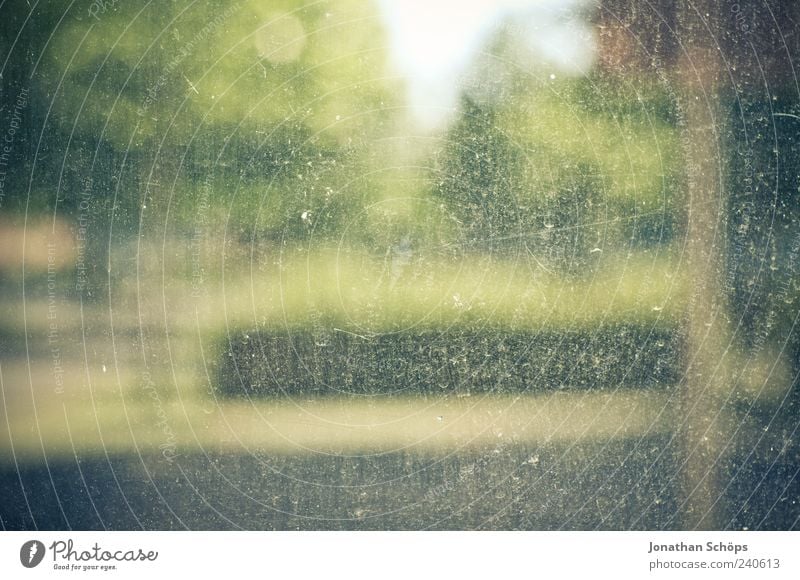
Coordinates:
(434,45)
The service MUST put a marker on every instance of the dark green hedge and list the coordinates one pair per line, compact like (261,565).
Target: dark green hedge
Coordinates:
(273,363)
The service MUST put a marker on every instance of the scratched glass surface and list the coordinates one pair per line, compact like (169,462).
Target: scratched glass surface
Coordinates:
(339,264)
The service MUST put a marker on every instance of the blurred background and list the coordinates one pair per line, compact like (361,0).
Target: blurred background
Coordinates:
(352,264)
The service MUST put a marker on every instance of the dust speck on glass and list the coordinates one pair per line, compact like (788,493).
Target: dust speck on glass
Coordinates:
(350,264)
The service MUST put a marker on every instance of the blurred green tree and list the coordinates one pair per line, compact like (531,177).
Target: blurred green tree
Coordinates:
(272,101)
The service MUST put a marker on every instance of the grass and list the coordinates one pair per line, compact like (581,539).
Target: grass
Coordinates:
(331,426)
(355,290)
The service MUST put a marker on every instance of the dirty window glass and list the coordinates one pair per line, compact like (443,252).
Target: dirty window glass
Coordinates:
(339,264)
